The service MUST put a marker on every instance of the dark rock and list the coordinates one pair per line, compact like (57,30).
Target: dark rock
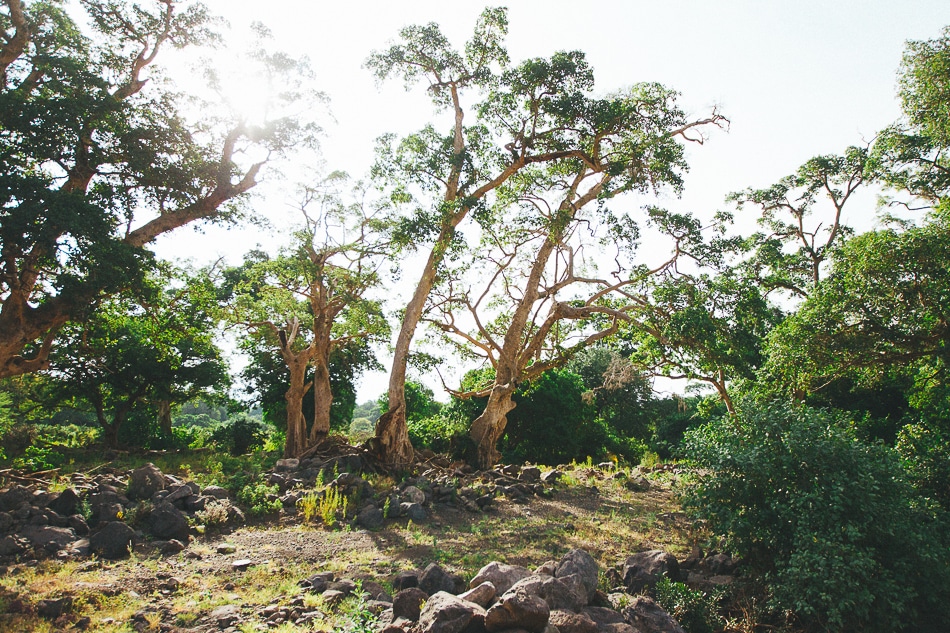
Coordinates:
(170,547)
(52,609)
(603,616)
(48,537)
(11,546)
(167,522)
(408,603)
(112,541)
(179,493)
(580,563)
(646,615)
(287,465)
(65,503)
(6,522)
(445,613)
(570,622)
(404,580)
(226,616)
(502,576)
(413,495)
(551,476)
(637,484)
(530,474)
(645,569)
(566,593)
(344,586)
(145,482)
(197,503)
(719,564)
(333,597)
(12,498)
(435,579)
(78,524)
(415,511)
(215,491)
(518,610)
(370,518)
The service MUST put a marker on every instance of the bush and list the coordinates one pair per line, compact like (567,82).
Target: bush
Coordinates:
(441,433)
(695,611)
(829,524)
(240,434)
(260,498)
(925,450)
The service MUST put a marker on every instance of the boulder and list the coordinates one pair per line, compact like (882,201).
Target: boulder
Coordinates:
(570,622)
(113,541)
(501,575)
(414,495)
(11,546)
(643,570)
(566,593)
(215,491)
(445,613)
(48,537)
(435,579)
(518,610)
(408,603)
(646,615)
(167,522)
(145,482)
(404,580)
(65,503)
(580,563)
(482,594)
(370,518)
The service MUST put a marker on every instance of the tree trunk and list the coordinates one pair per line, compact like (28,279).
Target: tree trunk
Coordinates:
(165,417)
(488,427)
(322,399)
(296,441)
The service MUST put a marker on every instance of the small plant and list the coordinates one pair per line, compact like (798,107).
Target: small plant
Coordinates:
(307,506)
(214,513)
(650,460)
(695,611)
(331,501)
(36,458)
(260,498)
(386,507)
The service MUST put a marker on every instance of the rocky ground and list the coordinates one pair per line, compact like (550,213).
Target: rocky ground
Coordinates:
(143,550)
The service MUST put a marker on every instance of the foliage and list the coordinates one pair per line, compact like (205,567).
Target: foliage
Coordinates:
(925,451)
(98,157)
(260,498)
(420,402)
(331,503)
(444,432)
(240,434)
(307,505)
(36,458)
(831,524)
(696,611)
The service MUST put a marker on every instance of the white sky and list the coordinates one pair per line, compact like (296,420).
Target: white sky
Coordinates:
(797,79)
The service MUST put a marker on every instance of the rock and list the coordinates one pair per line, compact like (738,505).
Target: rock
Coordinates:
(11,546)
(333,597)
(215,491)
(13,498)
(226,548)
(376,591)
(65,503)
(167,522)
(566,593)
(435,579)
(179,493)
(6,522)
(344,585)
(173,546)
(113,541)
(226,615)
(604,616)
(242,564)
(580,563)
(287,465)
(414,495)
(551,476)
(370,518)
(637,484)
(502,576)
(404,580)
(445,613)
(48,537)
(547,568)
(530,474)
(570,622)
(145,482)
(78,524)
(52,609)
(645,569)
(481,594)
(647,616)
(415,511)
(408,603)
(518,610)
(719,564)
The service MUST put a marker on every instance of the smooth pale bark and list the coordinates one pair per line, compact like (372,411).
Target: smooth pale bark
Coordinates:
(296,441)
(322,398)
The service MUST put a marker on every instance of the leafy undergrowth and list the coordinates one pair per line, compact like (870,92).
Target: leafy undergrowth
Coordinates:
(591,509)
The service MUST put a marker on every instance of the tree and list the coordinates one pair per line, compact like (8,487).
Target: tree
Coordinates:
(152,350)
(312,301)
(97,159)
(792,256)
(533,114)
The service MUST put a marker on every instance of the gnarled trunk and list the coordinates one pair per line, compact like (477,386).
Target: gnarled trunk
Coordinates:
(296,441)
(488,427)
(322,399)
(165,417)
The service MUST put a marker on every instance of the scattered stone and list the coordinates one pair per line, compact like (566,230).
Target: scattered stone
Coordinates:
(518,610)
(226,548)
(226,615)
(551,476)
(215,491)
(242,564)
(65,503)
(287,465)
(415,511)
(646,615)
(173,546)
(408,603)
(580,563)
(145,482)
(481,594)
(570,622)
(167,522)
(52,609)
(645,569)
(404,580)
(370,518)
(113,541)
(48,537)
(637,484)
(435,579)
(530,474)
(445,613)
(414,495)
(502,576)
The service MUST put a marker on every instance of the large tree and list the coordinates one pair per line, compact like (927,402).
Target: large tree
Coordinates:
(97,159)
(535,113)
(314,300)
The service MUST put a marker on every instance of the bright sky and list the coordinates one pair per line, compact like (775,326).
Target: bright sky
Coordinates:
(797,79)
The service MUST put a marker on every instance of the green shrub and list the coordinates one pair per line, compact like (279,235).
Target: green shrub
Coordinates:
(696,611)
(36,458)
(442,433)
(260,498)
(925,451)
(240,434)
(829,524)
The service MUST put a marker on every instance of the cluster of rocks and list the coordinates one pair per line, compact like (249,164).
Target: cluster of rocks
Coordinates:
(415,497)
(95,515)
(557,597)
